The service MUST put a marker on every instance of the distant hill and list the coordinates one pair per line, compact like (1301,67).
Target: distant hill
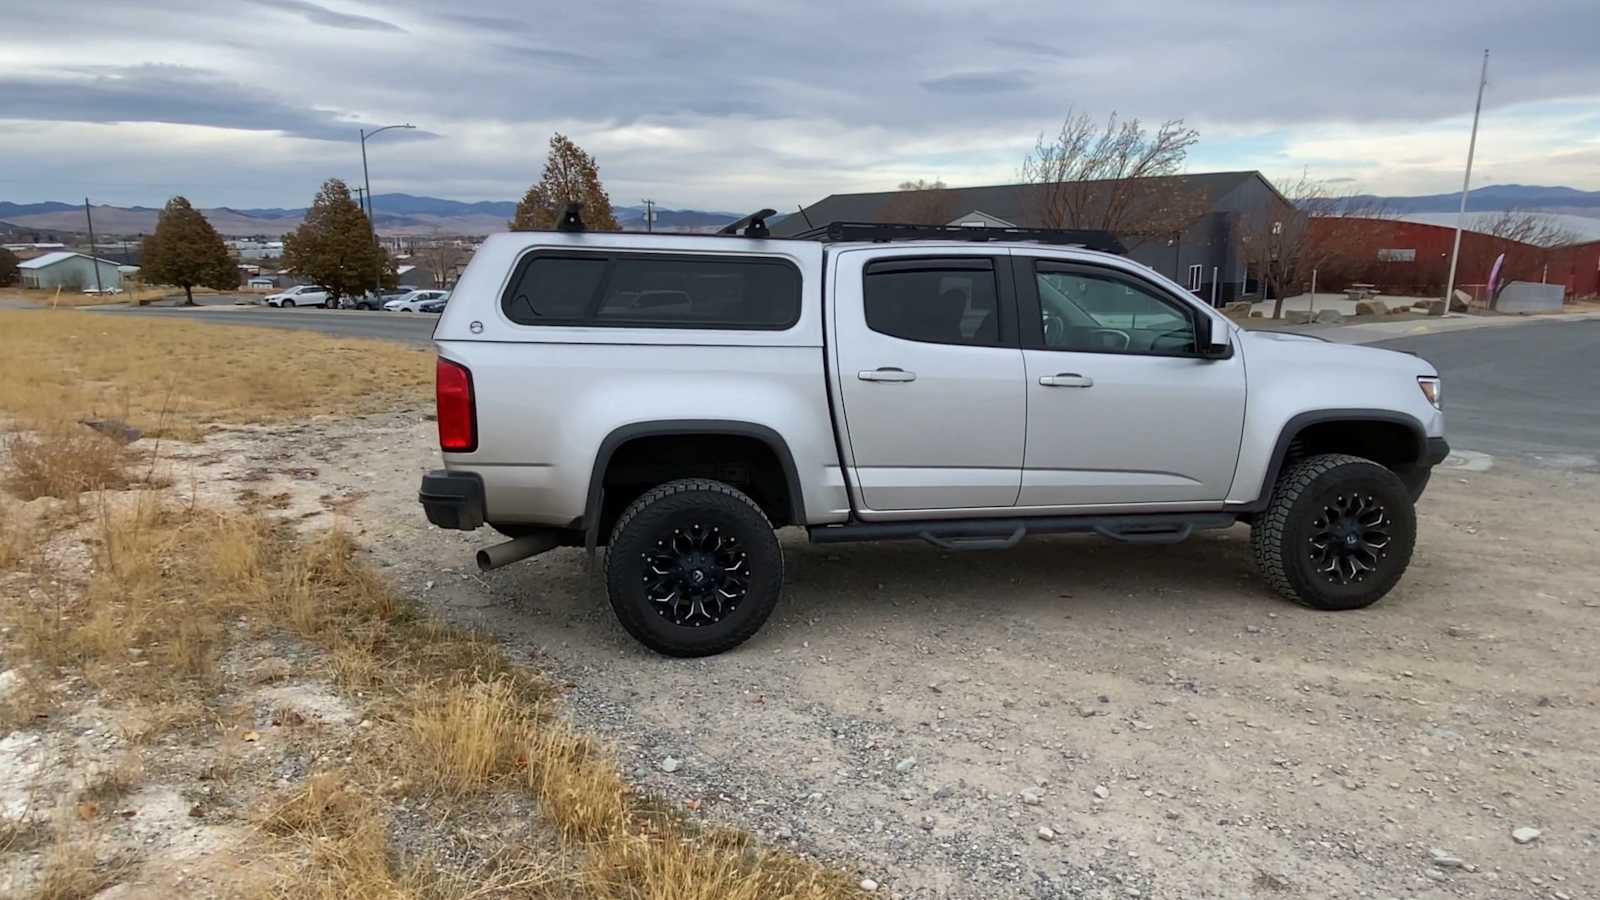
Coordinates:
(406,214)
(1494,198)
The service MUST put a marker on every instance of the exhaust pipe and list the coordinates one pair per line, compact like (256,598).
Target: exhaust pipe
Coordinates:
(515,549)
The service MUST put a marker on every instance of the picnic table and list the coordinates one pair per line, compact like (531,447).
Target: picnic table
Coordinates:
(1361,291)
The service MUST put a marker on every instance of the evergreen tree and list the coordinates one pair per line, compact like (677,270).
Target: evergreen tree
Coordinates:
(186,251)
(569,174)
(333,248)
(8,266)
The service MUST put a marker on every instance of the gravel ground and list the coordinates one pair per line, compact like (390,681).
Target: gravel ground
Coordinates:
(1076,718)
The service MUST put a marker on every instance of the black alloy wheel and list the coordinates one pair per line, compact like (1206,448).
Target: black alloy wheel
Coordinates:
(693,568)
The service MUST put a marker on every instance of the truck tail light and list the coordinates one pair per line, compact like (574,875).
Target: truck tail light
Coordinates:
(457,413)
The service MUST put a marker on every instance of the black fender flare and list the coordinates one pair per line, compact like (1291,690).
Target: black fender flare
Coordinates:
(1298,423)
(626,433)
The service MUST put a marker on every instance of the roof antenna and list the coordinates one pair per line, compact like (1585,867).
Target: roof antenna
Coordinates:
(572,219)
(804,216)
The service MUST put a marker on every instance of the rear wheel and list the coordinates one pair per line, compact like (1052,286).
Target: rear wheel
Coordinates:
(1337,533)
(693,568)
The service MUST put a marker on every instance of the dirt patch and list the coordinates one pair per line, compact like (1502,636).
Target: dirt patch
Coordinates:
(1178,729)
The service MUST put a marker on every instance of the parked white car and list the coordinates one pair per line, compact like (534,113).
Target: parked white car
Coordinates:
(300,295)
(413,301)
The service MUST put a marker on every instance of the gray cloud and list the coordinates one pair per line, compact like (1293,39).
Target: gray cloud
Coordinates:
(977,83)
(721,101)
(160,93)
(321,15)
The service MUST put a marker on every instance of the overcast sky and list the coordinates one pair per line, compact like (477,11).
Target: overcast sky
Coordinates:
(739,105)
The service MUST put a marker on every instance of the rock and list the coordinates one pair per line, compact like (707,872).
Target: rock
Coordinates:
(116,429)
(1430,307)
(1329,317)
(1460,301)
(868,885)
(1297,316)
(906,765)
(1258,314)
(1101,792)
(1445,861)
(1399,310)
(10,680)
(1525,835)
(1253,629)
(1436,875)
(1371,308)
(670,765)
(1031,798)
(1046,833)
(1238,309)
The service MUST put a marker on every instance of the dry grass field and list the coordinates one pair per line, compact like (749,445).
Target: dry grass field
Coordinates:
(172,378)
(207,701)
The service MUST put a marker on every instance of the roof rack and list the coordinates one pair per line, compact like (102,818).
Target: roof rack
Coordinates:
(885,232)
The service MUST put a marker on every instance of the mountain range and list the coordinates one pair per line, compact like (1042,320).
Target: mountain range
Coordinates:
(403,214)
(410,214)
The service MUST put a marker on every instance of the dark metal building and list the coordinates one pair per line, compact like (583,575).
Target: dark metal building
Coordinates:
(1202,254)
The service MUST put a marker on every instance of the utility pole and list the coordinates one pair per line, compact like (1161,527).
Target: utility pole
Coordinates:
(94,252)
(367,180)
(1466,183)
(649,215)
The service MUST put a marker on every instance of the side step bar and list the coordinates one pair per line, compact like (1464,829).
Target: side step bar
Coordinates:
(1002,534)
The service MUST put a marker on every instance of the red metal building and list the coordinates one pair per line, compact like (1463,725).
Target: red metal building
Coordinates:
(1413,258)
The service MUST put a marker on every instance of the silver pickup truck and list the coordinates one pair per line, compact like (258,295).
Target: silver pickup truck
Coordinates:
(677,397)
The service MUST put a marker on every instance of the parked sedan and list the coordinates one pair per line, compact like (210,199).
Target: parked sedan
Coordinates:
(433,306)
(413,301)
(300,295)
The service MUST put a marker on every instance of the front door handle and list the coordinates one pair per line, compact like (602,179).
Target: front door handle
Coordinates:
(1066,379)
(886,373)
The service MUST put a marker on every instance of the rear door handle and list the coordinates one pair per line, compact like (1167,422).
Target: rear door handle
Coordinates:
(886,373)
(1066,379)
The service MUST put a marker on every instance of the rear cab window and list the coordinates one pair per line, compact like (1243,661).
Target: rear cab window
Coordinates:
(653,290)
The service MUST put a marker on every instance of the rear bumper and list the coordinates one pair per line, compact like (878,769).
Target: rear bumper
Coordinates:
(452,499)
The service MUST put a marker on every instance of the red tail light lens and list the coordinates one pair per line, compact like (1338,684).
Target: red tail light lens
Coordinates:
(458,419)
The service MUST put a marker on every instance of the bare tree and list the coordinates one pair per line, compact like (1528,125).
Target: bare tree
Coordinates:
(921,202)
(443,259)
(1284,241)
(1113,177)
(1538,229)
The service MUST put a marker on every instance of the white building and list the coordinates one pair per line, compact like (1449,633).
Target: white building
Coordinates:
(70,271)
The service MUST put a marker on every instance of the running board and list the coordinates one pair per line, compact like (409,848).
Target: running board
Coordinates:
(1002,534)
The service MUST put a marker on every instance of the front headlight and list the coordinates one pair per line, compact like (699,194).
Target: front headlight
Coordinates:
(1430,389)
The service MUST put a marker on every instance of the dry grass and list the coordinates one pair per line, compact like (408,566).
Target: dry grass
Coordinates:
(64,460)
(468,733)
(133,292)
(459,719)
(73,872)
(171,377)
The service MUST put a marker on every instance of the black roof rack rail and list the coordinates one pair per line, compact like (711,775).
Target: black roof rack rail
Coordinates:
(884,232)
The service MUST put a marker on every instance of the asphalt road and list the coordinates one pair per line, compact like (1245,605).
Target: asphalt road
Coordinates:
(411,328)
(1525,391)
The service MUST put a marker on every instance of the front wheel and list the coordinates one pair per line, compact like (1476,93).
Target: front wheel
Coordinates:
(1337,533)
(693,568)
(287,304)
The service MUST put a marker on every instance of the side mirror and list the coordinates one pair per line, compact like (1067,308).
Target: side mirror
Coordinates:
(1210,341)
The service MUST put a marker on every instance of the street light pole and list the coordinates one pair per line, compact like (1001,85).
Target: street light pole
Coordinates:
(366,179)
(1466,184)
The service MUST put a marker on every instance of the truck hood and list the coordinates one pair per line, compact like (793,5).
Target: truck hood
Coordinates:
(1279,348)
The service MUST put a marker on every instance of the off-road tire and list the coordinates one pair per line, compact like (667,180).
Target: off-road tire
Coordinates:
(1281,536)
(683,504)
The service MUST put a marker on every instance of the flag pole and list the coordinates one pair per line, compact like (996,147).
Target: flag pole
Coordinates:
(1466,184)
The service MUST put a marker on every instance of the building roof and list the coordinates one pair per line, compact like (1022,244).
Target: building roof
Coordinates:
(1010,202)
(50,259)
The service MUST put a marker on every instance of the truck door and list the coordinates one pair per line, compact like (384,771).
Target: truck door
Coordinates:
(928,378)
(1121,409)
